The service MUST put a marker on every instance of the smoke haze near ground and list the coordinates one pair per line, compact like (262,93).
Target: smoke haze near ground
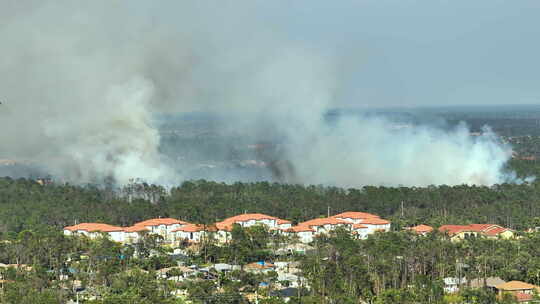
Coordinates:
(82,83)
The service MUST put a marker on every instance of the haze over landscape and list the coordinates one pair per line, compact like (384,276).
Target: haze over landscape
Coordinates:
(116,90)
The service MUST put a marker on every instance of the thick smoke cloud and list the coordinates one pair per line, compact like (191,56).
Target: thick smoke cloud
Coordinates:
(83,82)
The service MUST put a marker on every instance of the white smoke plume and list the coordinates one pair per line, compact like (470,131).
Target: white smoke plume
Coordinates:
(81,83)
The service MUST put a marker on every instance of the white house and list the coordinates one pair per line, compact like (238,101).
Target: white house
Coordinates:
(191,232)
(365,223)
(376,224)
(93,230)
(355,217)
(133,234)
(247,220)
(162,226)
(304,234)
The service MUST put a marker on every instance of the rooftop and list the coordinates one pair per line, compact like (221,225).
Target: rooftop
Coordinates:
(300,229)
(227,223)
(161,221)
(355,215)
(421,229)
(515,285)
(195,228)
(487,229)
(324,221)
(92,227)
(375,221)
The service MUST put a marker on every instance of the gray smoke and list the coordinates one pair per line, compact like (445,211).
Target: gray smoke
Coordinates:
(82,83)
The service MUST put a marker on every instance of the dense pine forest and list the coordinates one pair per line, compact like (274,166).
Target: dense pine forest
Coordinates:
(26,204)
(393,267)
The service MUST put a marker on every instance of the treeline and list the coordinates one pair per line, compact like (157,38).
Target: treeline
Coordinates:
(25,204)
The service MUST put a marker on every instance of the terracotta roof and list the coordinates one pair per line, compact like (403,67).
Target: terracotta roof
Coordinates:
(515,285)
(356,215)
(91,227)
(160,221)
(226,226)
(453,229)
(481,227)
(195,228)
(300,229)
(375,221)
(227,223)
(135,229)
(324,221)
(487,229)
(421,228)
(496,231)
(249,216)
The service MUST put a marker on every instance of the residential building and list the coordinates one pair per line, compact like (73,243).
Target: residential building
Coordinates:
(93,230)
(524,292)
(365,223)
(420,229)
(247,220)
(355,217)
(162,226)
(133,234)
(460,232)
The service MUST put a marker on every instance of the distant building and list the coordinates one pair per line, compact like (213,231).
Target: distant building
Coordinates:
(460,232)
(247,220)
(524,292)
(361,224)
(93,230)
(420,229)
(159,226)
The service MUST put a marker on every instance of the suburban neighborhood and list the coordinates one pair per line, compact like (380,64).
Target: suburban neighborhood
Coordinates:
(182,237)
(174,231)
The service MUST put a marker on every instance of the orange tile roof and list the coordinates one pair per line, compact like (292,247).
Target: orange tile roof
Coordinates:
(375,221)
(92,227)
(135,228)
(225,226)
(453,229)
(496,231)
(324,221)
(481,227)
(161,221)
(195,228)
(487,229)
(421,228)
(300,229)
(515,285)
(227,223)
(356,215)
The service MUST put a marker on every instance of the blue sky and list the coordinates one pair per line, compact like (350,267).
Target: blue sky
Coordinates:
(422,52)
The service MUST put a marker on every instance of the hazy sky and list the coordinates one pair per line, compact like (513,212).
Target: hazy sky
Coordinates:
(424,52)
(81,82)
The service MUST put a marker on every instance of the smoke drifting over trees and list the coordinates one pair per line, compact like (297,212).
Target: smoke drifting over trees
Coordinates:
(83,82)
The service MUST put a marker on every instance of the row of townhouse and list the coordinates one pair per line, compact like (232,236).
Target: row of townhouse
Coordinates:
(164,227)
(460,232)
(360,224)
(174,231)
